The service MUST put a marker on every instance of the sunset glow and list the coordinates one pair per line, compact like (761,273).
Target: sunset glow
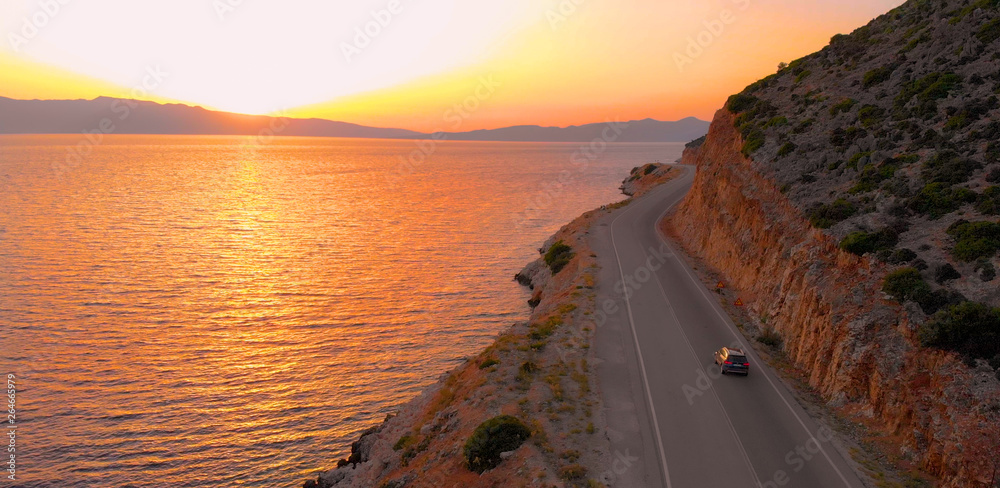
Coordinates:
(403,64)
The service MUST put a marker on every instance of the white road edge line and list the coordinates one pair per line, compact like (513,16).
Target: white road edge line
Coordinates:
(638,351)
(729,421)
(741,340)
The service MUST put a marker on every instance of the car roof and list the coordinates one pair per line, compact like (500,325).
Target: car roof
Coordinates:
(734,350)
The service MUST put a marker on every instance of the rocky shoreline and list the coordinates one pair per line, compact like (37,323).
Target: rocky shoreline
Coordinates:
(539,372)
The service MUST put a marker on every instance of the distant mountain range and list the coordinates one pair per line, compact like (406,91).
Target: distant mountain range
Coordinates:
(121,116)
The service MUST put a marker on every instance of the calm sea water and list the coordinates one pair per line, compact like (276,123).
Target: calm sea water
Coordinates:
(206,311)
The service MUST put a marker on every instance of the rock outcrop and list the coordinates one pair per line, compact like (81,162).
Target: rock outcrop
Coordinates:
(646,177)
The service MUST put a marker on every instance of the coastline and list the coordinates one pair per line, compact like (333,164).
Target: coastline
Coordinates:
(548,372)
(541,371)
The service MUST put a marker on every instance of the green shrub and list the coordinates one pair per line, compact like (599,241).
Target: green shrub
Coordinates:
(924,37)
(945,272)
(404,442)
(843,106)
(741,103)
(989,32)
(490,361)
(528,367)
(989,201)
(941,299)
(948,167)
(804,126)
(862,243)
(970,328)
(845,137)
(877,76)
(558,256)
(873,175)
(975,240)
(980,4)
(853,162)
(754,141)
(803,75)
(906,285)
(777,121)
(542,330)
(492,437)
(930,138)
(987,272)
(761,83)
(871,115)
(937,199)
(957,122)
(826,216)
(850,47)
(760,111)
(934,86)
(901,256)
(573,472)
(786,149)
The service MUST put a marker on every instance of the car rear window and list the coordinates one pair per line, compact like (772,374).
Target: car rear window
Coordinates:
(738,359)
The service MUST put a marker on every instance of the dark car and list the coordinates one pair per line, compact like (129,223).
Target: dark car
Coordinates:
(732,360)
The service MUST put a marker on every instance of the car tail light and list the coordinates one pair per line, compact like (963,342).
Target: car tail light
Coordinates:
(746,364)
(729,362)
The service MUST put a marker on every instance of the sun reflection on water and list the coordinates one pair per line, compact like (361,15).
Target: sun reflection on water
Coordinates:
(202,312)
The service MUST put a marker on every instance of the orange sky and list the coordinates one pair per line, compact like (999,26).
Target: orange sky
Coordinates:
(430,65)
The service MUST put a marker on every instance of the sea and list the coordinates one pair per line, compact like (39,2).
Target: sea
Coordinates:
(196,311)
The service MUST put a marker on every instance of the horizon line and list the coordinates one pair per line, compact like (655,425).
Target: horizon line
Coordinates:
(276,115)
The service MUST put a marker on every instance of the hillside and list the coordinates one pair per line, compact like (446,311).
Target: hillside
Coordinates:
(889,140)
(866,174)
(121,116)
(139,117)
(646,130)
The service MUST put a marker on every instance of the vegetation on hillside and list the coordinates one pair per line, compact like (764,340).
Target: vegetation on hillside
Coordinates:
(889,140)
(493,437)
(558,256)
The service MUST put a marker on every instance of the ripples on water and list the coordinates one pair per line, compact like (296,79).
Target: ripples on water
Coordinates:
(199,311)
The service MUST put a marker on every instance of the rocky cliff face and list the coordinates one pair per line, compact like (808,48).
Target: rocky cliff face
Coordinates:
(853,198)
(857,345)
(887,139)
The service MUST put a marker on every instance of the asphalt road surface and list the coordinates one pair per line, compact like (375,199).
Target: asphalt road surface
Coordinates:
(674,420)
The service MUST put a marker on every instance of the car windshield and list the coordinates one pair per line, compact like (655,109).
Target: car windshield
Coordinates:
(738,359)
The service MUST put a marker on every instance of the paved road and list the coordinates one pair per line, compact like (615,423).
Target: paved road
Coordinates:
(674,420)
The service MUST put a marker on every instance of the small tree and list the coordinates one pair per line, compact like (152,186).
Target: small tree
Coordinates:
(495,436)
(906,285)
(558,256)
(970,328)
